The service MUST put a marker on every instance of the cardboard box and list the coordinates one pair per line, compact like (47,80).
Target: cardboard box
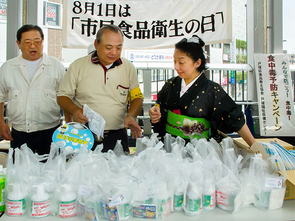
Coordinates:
(258,148)
(242,144)
(290,185)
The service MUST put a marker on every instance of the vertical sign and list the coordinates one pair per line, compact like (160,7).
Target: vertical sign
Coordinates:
(232,59)
(275,96)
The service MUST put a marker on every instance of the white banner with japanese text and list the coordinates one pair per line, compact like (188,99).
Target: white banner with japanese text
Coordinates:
(147,23)
(275,95)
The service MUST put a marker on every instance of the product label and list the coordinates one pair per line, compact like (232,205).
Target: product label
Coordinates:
(67,209)
(123,211)
(194,204)
(209,200)
(273,182)
(145,211)
(166,207)
(222,198)
(40,209)
(178,200)
(81,209)
(15,207)
(109,213)
(90,214)
(118,200)
(2,193)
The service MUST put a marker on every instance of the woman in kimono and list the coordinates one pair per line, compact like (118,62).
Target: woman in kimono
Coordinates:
(190,105)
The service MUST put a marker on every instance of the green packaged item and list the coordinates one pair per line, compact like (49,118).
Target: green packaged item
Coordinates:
(2,193)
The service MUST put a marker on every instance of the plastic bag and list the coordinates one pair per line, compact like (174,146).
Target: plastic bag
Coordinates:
(271,186)
(228,193)
(16,188)
(193,204)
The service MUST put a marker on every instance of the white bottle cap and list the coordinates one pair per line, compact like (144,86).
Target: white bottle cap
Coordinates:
(40,190)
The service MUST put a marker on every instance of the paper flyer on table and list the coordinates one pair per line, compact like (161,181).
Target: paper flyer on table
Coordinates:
(95,121)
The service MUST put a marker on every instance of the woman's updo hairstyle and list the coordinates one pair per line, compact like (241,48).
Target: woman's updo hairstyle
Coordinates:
(193,47)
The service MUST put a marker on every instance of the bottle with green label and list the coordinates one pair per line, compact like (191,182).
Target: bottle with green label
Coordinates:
(178,200)
(194,204)
(2,189)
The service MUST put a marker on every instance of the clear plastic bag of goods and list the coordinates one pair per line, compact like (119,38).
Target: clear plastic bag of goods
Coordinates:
(157,205)
(66,200)
(55,166)
(92,209)
(85,193)
(152,197)
(193,204)
(116,212)
(271,186)
(40,201)
(209,191)
(16,188)
(228,193)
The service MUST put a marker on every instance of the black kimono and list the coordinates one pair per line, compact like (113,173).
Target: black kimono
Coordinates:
(204,99)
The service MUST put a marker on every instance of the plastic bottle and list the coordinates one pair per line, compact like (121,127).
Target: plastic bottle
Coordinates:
(2,189)
(177,201)
(16,200)
(209,195)
(67,205)
(40,202)
(194,204)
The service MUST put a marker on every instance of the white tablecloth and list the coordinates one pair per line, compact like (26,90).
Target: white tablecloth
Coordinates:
(287,212)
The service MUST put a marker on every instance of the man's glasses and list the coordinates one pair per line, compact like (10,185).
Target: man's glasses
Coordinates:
(36,42)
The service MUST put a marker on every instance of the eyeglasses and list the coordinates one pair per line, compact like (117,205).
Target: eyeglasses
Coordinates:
(36,42)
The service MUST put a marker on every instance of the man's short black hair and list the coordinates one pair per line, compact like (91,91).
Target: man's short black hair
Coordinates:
(112,28)
(26,28)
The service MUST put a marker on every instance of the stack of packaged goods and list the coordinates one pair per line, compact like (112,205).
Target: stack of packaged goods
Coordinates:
(160,178)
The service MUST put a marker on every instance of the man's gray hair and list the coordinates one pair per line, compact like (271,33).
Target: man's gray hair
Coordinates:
(112,28)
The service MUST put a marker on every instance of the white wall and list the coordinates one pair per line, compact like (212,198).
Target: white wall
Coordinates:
(216,55)
(69,55)
(3,41)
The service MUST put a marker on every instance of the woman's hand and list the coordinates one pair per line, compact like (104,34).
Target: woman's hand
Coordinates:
(155,114)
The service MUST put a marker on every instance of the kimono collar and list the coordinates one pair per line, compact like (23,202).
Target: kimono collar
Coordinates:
(95,60)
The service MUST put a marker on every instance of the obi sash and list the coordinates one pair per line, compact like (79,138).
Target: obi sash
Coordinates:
(187,127)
